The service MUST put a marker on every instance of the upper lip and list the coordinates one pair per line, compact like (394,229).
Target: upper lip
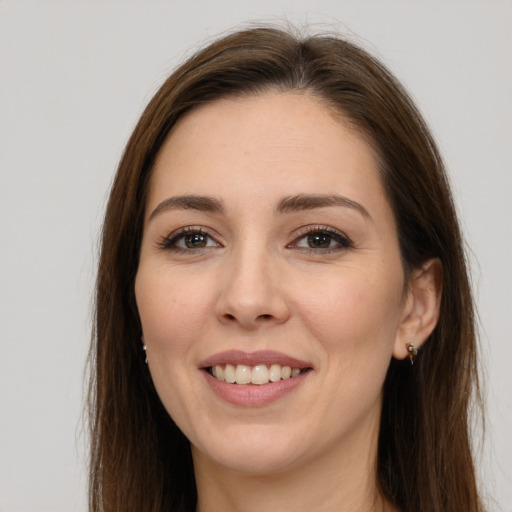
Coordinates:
(268,357)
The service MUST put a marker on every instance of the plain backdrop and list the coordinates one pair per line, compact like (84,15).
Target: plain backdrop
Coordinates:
(75,76)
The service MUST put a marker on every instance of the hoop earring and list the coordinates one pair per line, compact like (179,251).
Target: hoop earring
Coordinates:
(145,353)
(413,351)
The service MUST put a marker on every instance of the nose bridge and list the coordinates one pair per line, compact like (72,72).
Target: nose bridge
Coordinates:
(251,292)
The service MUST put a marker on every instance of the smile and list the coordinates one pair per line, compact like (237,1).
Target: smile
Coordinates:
(254,379)
(258,374)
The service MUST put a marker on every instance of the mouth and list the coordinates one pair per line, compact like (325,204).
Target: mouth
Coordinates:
(254,379)
(256,368)
(258,375)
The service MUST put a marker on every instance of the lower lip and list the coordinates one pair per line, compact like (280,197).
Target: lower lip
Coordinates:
(251,395)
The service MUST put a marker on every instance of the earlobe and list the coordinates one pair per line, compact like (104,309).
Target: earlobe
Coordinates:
(421,308)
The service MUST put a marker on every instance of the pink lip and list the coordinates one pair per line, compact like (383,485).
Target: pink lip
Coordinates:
(251,395)
(253,358)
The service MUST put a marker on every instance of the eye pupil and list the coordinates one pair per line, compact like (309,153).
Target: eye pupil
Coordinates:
(319,240)
(195,240)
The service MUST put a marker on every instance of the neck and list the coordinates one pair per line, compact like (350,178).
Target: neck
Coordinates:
(342,480)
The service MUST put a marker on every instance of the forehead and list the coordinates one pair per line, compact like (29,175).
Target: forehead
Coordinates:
(265,145)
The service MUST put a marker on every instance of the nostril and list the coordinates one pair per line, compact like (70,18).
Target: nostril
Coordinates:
(264,317)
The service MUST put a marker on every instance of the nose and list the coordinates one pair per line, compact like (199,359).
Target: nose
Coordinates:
(252,293)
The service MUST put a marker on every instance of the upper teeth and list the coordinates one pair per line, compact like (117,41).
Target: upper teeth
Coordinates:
(259,374)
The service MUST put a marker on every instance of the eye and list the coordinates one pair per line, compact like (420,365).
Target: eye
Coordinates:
(188,239)
(194,241)
(321,239)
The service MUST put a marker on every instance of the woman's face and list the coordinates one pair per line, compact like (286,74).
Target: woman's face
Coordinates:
(269,248)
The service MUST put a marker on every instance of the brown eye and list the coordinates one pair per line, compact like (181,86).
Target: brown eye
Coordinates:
(188,240)
(195,241)
(322,240)
(319,241)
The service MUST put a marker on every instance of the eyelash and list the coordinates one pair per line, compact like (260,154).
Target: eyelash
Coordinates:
(169,242)
(341,240)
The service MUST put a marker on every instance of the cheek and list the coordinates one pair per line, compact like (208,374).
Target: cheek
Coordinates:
(171,310)
(355,315)
(354,321)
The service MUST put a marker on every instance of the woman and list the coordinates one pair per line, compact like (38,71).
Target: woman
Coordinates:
(284,319)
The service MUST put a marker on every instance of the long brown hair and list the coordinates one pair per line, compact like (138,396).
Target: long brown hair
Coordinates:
(140,461)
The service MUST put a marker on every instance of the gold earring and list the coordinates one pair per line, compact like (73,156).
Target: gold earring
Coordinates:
(413,351)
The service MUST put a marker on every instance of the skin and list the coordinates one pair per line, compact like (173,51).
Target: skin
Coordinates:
(259,285)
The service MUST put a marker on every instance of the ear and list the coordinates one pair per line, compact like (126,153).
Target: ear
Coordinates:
(420,307)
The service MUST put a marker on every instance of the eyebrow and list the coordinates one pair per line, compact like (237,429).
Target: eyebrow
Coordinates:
(310,202)
(286,205)
(189,202)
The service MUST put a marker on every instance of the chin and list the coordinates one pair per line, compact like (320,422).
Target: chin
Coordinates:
(256,452)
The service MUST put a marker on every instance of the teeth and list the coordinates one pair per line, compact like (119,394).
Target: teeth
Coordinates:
(259,374)
(243,374)
(229,373)
(276,372)
(286,372)
(218,372)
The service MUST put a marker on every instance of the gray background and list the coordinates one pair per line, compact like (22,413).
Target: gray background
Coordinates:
(75,76)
